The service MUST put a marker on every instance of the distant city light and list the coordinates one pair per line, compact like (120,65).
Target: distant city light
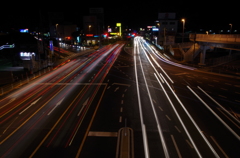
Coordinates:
(24,30)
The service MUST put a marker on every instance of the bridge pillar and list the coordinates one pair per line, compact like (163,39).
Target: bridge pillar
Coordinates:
(203,54)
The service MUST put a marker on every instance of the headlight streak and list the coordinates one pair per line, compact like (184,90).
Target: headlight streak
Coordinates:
(88,103)
(31,117)
(32,86)
(144,135)
(154,111)
(157,65)
(151,64)
(80,120)
(162,58)
(218,104)
(235,134)
(196,126)
(179,118)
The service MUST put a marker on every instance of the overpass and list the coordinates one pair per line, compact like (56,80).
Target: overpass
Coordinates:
(203,42)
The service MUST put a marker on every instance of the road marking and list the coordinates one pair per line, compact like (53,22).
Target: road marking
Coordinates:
(116,89)
(9,126)
(237,92)
(229,118)
(123,96)
(184,73)
(68,84)
(211,85)
(219,147)
(215,81)
(189,144)
(120,119)
(30,105)
(84,104)
(56,106)
(222,96)
(103,134)
(177,129)
(122,102)
(176,147)
(224,89)
(160,108)
(228,84)
(125,90)
(121,109)
(108,87)
(154,101)
(8,102)
(168,118)
(122,84)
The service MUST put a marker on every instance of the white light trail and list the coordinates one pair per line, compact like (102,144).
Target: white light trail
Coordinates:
(164,59)
(145,142)
(196,126)
(235,134)
(179,118)
(155,114)
(218,104)
(157,65)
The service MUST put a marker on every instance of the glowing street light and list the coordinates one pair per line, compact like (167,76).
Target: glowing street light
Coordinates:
(230,28)
(89,27)
(183,20)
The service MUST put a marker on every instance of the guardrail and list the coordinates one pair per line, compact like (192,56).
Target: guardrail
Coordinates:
(215,37)
(15,85)
(125,144)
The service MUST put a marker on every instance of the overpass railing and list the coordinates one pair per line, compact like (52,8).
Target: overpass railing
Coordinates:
(215,37)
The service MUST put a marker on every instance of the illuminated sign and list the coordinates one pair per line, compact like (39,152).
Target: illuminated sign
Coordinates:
(89,35)
(24,30)
(118,24)
(26,55)
(7,46)
(51,46)
(114,33)
(155,29)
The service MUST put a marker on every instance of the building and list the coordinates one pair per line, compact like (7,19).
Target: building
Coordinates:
(93,26)
(167,25)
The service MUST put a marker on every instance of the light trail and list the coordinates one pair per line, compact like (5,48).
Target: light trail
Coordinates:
(144,135)
(157,65)
(164,59)
(230,129)
(155,114)
(195,124)
(219,104)
(179,118)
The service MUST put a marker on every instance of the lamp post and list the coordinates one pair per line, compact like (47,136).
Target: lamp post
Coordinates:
(230,28)
(183,20)
(89,27)
(58,40)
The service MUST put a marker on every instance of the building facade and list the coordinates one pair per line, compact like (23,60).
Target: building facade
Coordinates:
(168,27)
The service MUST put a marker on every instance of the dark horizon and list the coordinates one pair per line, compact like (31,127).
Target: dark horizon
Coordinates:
(130,14)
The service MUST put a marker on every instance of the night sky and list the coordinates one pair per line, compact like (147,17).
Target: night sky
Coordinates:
(132,14)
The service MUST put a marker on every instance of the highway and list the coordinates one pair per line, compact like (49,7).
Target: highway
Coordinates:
(122,102)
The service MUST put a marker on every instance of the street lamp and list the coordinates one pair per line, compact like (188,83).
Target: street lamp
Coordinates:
(230,28)
(183,20)
(89,27)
